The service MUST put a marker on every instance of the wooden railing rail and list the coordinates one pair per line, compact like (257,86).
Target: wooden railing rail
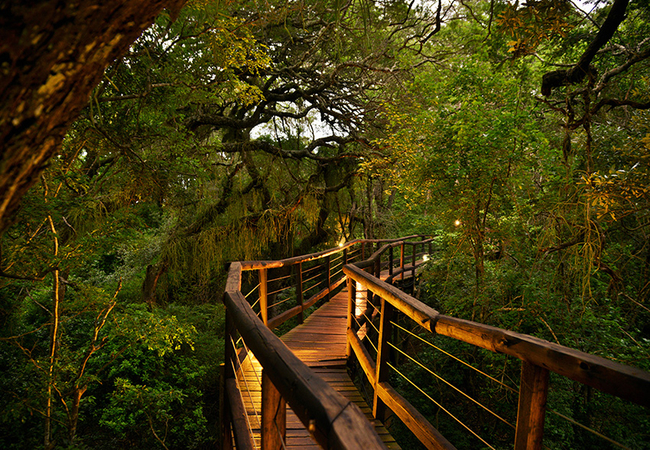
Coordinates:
(328,283)
(538,358)
(332,420)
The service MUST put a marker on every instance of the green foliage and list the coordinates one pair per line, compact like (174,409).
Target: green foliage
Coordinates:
(248,130)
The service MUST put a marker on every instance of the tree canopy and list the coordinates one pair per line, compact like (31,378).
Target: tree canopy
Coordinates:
(144,150)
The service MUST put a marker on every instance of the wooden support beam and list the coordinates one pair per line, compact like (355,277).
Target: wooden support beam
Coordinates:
(328,273)
(533,390)
(352,304)
(379,410)
(225,433)
(243,439)
(414,267)
(426,433)
(264,297)
(299,292)
(229,350)
(334,421)
(274,416)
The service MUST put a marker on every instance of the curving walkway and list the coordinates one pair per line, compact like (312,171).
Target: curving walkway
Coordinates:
(320,343)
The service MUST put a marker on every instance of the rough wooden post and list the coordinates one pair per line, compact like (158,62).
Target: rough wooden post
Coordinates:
(345,255)
(274,416)
(264,298)
(328,262)
(532,407)
(224,411)
(301,300)
(415,253)
(352,306)
(377,267)
(228,372)
(363,251)
(390,260)
(229,350)
(379,410)
(401,260)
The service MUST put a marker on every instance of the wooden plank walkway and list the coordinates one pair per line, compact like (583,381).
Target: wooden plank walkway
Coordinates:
(320,343)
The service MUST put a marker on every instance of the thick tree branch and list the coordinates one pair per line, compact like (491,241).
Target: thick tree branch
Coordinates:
(576,74)
(49,69)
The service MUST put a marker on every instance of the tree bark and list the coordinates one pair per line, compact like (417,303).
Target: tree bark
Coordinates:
(52,54)
(583,67)
(154,272)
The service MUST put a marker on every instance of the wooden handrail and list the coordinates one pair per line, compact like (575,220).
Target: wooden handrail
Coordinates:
(333,421)
(537,355)
(253,265)
(608,376)
(336,423)
(331,284)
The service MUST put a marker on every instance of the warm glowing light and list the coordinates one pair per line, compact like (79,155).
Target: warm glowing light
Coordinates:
(457,222)
(426,257)
(359,300)
(340,244)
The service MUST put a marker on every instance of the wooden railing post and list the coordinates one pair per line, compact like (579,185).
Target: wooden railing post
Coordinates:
(401,260)
(532,407)
(328,262)
(374,298)
(390,260)
(378,267)
(227,373)
(379,409)
(363,251)
(415,253)
(352,306)
(299,294)
(345,255)
(274,416)
(229,350)
(264,298)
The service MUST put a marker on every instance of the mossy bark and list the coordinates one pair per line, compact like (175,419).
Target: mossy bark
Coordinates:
(52,54)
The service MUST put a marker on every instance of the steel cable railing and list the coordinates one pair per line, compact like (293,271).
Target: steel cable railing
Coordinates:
(538,359)
(284,289)
(454,357)
(441,407)
(411,358)
(590,430)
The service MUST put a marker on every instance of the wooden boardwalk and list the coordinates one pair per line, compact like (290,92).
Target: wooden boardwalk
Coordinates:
(320,343)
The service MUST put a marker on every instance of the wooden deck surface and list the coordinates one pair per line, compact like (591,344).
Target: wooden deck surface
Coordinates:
(320,343)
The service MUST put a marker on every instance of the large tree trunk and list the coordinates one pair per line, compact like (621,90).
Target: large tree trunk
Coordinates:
(52,54)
